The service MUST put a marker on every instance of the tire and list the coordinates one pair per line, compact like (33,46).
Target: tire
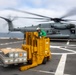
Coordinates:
(29,62)
(48,58)
(44,61)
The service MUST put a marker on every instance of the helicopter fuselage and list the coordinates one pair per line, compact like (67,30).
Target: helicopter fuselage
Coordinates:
(59,30)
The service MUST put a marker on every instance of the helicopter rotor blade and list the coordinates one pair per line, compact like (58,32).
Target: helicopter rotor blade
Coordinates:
(32,18)
(9,18)
(28,13)
(43,21)
(72,12)
(70,20)
(67,20)
(5,18)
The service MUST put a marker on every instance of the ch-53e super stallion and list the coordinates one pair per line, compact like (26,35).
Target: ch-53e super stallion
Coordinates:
(56,30)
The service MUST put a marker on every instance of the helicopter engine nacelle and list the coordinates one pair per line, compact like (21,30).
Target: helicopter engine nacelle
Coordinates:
(62,26)
(70,26)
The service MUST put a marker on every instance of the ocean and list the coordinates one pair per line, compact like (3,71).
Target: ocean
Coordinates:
(11,35)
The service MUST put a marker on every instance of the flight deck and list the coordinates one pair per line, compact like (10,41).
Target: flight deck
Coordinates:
(63,59)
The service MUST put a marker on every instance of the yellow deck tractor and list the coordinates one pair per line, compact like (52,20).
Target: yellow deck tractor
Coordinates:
(38,50)
(35,52)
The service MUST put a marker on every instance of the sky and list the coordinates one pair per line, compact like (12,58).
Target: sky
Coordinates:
(50,8)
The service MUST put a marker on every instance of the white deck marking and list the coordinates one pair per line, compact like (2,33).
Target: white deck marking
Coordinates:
(47,72)
(43,71)
(55,46)
(62,53)
(72,45)
(61,65)
(68,50)
(68,42)
(62,46)
(63,49)
(10,43)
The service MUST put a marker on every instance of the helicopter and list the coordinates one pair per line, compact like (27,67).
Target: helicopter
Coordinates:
(56,30)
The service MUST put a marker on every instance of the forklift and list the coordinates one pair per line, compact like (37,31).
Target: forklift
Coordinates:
(38,50)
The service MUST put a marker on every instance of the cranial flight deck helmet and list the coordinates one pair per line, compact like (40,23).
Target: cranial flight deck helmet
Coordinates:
(38,28)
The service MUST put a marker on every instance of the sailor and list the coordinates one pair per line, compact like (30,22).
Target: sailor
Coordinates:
(41,33)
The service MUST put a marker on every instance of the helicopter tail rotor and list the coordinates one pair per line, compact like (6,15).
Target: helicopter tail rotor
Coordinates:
(9,23)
